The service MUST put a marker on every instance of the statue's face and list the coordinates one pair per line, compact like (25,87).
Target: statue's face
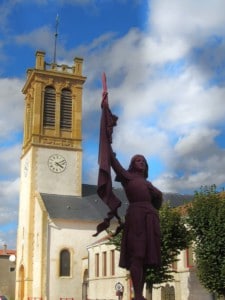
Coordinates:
(139,164)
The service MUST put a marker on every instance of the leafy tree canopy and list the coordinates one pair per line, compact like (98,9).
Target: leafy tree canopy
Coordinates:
(206,218)
(175,237)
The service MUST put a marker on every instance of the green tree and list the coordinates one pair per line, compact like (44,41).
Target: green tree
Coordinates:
(206,218)
(174,238)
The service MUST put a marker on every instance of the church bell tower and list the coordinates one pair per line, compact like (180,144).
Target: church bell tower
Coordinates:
(51,160)
(52,126)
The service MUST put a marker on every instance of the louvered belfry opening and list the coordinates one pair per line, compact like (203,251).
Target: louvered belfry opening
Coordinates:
(66,109)
(49,107)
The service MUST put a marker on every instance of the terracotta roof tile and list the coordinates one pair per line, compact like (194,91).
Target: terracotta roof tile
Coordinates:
(7,252)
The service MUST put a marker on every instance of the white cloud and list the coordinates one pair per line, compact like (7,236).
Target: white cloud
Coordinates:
(188,19)
(40,39)
(132,138)
(11,107)
(198,140)
(9,193)
(190,104)
(195,161)
(10,160)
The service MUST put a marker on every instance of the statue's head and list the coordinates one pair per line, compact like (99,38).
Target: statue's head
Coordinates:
(137,162)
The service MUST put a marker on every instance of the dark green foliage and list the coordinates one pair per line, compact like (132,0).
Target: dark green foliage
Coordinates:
(206,218)
(116,240)
(174,238)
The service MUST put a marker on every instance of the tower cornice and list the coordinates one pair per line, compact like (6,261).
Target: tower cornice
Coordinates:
(56,74)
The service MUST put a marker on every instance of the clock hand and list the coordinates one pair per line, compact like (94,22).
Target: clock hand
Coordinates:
(58,164)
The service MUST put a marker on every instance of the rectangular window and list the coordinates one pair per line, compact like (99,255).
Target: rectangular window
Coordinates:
(112,262)
(66,109)
(104,263)
(96,265)
(189,257)
(49,107)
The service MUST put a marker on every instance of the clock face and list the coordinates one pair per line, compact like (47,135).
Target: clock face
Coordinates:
(57,163)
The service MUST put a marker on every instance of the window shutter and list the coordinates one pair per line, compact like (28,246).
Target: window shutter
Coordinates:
(66,109)
(49,107)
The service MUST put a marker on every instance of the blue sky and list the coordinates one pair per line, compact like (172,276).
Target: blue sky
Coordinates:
(165,66)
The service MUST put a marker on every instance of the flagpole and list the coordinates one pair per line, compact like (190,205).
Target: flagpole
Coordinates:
(56,36)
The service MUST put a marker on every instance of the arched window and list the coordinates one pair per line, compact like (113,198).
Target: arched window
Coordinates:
(189,257)
(168,292)
(64,263)
(49,107)
(85,285)
(66,109)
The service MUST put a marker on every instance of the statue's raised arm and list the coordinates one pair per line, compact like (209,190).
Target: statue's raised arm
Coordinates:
(104,190)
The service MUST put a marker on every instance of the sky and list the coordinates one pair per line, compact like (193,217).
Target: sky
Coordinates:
(165,67)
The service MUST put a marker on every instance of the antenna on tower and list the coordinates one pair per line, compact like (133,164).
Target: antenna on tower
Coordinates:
(56,36)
